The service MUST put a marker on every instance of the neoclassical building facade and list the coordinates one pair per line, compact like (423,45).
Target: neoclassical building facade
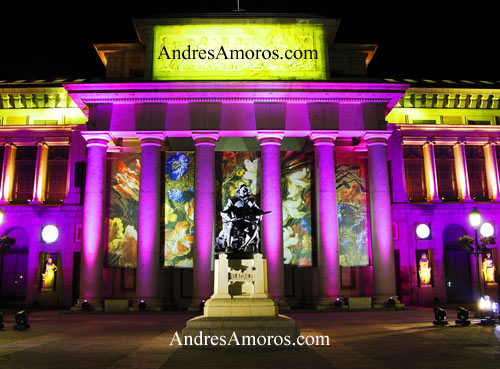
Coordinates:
(134,170)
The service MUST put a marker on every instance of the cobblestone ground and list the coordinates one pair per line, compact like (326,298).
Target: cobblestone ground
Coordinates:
(383,339)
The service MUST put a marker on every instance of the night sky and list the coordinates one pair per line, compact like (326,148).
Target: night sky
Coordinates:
(416,39)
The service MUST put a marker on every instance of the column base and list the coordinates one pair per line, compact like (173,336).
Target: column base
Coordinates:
(93,305)
(196,305)
(468,200)
(282,304)
(326,303)
(381,302)
(151,304)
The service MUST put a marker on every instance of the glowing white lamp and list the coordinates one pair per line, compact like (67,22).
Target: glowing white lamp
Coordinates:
(50,233)
(475,218)
(423,231)
(487,229)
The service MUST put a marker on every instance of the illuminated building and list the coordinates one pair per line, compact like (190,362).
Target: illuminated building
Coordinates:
(133,170)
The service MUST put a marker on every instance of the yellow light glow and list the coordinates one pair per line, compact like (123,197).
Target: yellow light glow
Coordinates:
(239,52)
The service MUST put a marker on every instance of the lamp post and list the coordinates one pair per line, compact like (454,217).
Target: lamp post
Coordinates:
(475,221)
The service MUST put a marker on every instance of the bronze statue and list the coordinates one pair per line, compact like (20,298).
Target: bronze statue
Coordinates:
(241,218)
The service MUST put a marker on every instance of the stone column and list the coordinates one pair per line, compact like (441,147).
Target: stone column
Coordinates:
(326,216)
(461,171)
(93,221)
(272,224)
(148,247)
(430,172)
(204,216)
(40,183)
(490,157)
(380,219)
(8,171)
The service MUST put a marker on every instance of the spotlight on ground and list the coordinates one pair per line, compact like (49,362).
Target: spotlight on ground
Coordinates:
(337,304)
(202,305)
(391,303)
(21,320)
(439,317)
(142,305)
(462,317)
(1,320)
(489,310)
(85,305)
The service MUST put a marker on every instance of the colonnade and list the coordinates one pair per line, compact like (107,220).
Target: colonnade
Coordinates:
(329,287)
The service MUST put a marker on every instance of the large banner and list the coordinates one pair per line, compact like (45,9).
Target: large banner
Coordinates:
(237,168)
(350,177)
(240,51)
(124,211)
(179,209)
(296,207)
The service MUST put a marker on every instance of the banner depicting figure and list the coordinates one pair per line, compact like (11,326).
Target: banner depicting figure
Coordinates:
(350,178)
(124,211)
(296,168)
(179,209)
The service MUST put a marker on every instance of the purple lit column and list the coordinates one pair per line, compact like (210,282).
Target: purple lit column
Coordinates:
(204,216)
(93,220)
(148,249)
(326,215)
(272,224)
(380,218)
(8,171)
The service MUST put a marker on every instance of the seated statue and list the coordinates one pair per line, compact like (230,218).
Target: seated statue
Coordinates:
(241,218)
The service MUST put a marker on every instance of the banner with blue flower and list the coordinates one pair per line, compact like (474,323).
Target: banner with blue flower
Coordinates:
(179,209)
(350,177)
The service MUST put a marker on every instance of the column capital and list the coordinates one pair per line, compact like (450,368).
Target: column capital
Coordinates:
(42,143)
(97,138)
(205,138)
(151,138)
(270,137)
(430,141)
(460,141)
(491,143)
(376,137)
(323,138)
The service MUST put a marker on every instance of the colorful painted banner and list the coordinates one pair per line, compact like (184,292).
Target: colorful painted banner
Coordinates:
(124,211)
(350,177)
(179,209)
(237,168)
(296,207)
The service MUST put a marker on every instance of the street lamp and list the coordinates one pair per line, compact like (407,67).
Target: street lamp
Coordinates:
(475,222)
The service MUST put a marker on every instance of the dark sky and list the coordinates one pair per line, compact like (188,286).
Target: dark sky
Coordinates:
(416,39)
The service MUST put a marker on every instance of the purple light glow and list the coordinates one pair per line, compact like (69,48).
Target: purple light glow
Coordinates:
(328,256)
(148,248)
(272,241)
(204,209)
(93,219)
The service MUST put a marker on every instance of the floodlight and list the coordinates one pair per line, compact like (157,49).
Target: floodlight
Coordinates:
(21,320)
(462,317)
(142,305)
(439,316)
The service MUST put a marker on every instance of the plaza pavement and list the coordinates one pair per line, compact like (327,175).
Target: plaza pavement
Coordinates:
(371,340)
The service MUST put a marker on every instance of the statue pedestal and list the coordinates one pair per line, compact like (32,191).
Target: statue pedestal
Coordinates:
(48,299)
(491,289)
(240,305)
